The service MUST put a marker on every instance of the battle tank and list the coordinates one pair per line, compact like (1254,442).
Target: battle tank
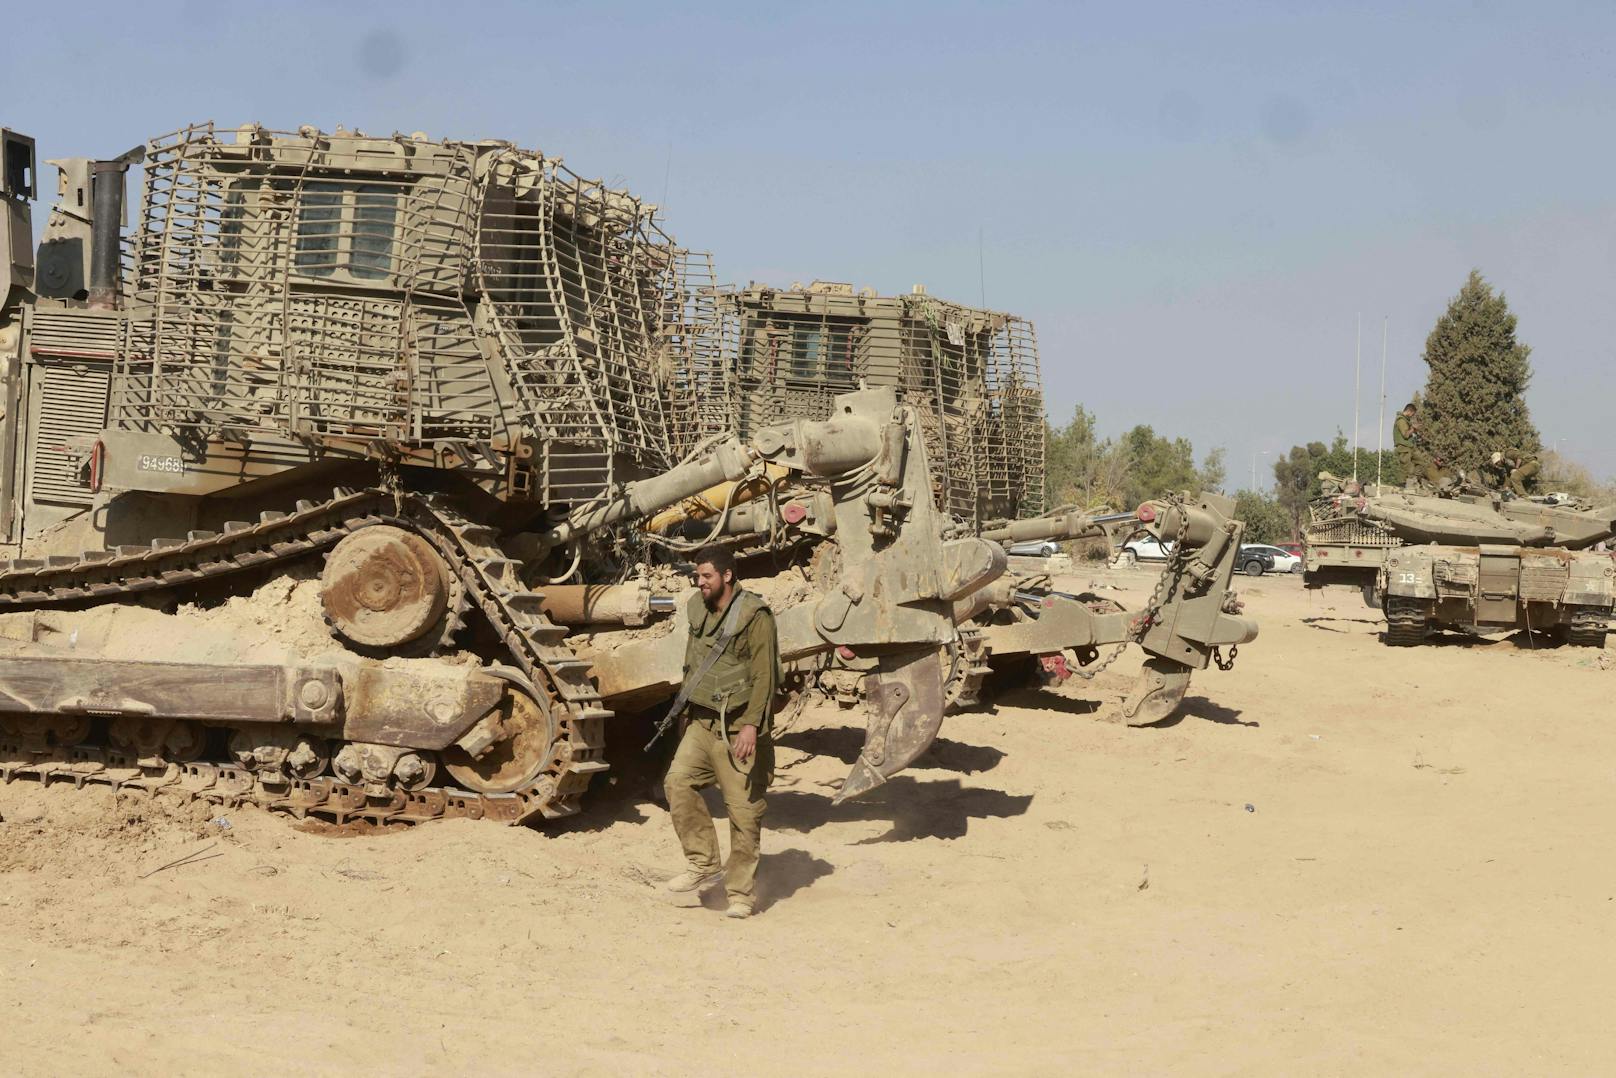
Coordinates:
(444,367)
(973,377)
(1471,560)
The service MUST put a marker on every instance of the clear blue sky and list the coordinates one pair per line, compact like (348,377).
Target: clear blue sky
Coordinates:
(1192,202)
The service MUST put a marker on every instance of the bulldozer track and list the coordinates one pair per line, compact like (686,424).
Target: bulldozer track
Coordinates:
(963,688)
(559,681)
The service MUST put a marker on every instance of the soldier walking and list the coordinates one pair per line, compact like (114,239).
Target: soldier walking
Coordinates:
(732,664)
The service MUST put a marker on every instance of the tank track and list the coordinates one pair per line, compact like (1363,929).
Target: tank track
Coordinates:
(1406,623)
(1587,629)
(488,578)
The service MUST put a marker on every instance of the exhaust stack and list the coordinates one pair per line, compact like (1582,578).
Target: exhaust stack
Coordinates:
(106,228)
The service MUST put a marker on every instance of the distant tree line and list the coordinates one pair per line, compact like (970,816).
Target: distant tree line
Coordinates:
(1091,472)
(1472,405)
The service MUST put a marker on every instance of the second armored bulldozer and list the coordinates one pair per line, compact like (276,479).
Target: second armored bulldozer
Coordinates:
(1473,561)
(973,378)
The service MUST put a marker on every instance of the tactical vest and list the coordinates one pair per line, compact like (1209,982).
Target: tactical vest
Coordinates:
(725,686)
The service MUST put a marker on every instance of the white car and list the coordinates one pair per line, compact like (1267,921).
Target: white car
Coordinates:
(1143,547)
(1284,560)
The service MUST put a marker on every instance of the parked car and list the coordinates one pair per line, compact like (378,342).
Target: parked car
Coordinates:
(1291,548)
(1284,560)
(1040,548)
(1143,547)
(1256,560)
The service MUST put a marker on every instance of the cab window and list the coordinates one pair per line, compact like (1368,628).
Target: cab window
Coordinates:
(346,229)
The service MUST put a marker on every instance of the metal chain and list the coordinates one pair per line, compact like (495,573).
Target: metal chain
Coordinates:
(1222,663)
(1147,617)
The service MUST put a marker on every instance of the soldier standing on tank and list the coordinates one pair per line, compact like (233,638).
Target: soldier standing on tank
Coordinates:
(732,663)
(1514,467)
(1408,444)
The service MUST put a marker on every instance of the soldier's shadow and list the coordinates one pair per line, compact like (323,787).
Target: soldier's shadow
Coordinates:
(783,874)
(915,809)
(780,875)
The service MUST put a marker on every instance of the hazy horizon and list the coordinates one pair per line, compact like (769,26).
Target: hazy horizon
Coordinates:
(1192,204)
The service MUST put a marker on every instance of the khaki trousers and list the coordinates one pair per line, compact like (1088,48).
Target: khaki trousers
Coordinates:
(704,759)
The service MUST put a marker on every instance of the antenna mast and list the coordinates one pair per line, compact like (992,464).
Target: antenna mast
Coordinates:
(1357,378)
(1380,455)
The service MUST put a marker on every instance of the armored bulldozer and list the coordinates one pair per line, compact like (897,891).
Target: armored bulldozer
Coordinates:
(437,365)
(448,369)
(1470,561)
(973,378)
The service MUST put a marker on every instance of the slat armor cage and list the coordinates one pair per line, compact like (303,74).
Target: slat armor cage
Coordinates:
(470,296)
(973,375)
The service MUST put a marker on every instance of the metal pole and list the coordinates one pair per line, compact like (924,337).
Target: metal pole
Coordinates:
(1380,452)
(1357,379)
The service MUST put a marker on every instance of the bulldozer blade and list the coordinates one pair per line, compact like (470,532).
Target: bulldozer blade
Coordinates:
(906,694)
(1158,692)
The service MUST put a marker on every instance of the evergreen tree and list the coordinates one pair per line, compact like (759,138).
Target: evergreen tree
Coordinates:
(1474,399)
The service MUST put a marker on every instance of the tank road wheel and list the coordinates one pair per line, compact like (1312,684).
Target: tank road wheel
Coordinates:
(524,734)
(385,590)
(1586,629)
(1406,622)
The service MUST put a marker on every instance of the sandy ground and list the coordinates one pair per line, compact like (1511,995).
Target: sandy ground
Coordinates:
(1340,859)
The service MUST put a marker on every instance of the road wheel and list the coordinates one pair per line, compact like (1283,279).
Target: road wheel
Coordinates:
(1254,567)
(1406,622)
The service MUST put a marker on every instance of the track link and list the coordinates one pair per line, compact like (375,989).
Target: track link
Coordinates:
(1587,629)
(1406,623)
(558,680)
(969,671)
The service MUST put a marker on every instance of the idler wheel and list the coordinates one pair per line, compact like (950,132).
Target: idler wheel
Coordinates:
(384,587)
(515,760)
